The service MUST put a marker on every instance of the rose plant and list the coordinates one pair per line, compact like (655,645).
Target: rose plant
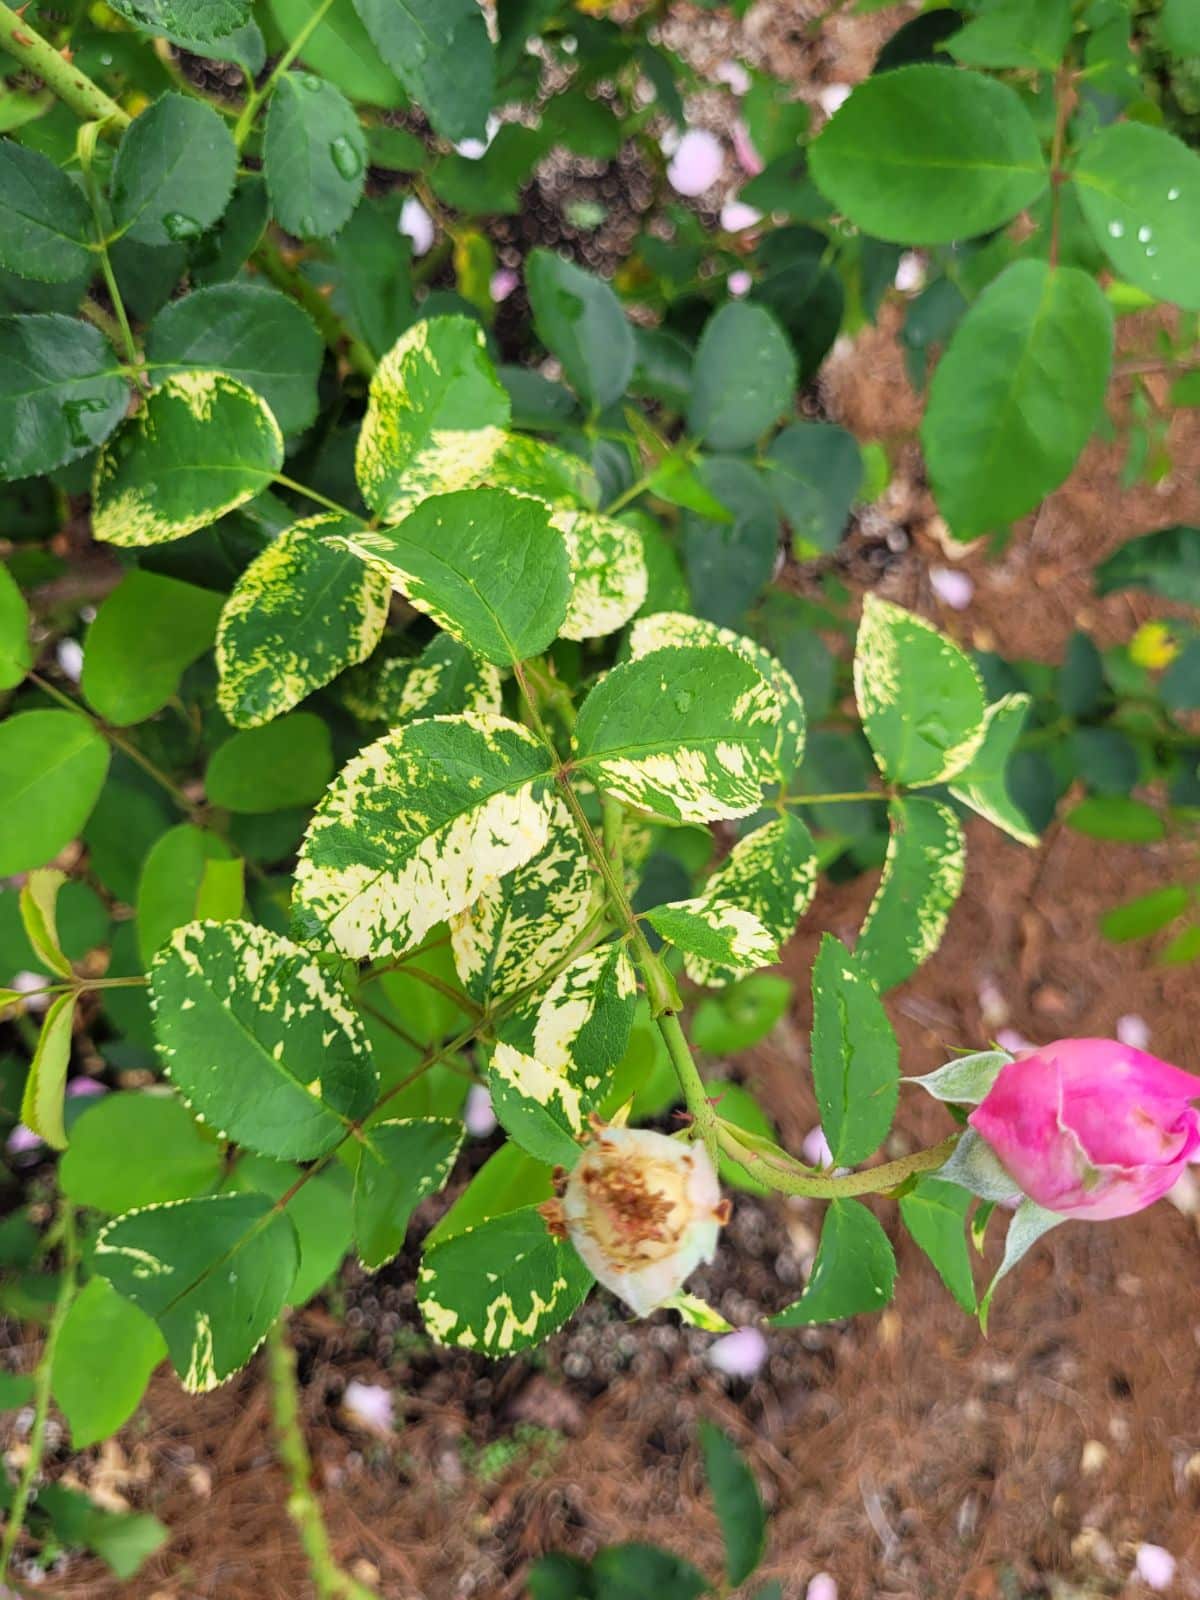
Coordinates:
(436,725)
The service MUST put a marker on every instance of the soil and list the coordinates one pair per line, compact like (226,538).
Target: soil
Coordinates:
(906,1455)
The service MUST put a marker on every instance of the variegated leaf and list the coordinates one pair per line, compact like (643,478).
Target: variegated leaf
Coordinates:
(920,698)
(487,565)
(523,923)
(716,933)
(302,611)
(214,1273)
(982,783)
(664,628)
(501,1286)
(261,1043)
(529,465)
(443,680)
(922,878)
(608,573)
(201,445)
(416,827)
(771,873)
(436,417)
(539,1106)
(399,1163)
(685,733)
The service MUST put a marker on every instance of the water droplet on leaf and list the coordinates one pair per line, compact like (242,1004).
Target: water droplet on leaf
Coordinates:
(1116,229)
(1144,235)
(179,226)
(345,158)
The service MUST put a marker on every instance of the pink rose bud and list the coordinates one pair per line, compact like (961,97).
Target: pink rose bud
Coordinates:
(643,1210)
(1091,1127)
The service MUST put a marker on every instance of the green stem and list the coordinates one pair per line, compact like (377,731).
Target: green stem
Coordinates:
(85,145)
(456,996)
(256,97)
(329,1581)
(837,799)
(37,55)
(782,1175)
(294,284)
(41,1390)
(627,495)
(316,496)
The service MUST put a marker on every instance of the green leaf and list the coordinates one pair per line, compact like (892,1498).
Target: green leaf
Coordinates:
(105,1354)
(16,655)
(202,20)
(416,826)
(1018,33)
(1029,1223)
(935,1213)
(580,320)
(855,1270)
(45,222)
(966,1080)
(920,698)
(608,573)
(1139,188)
(525,922)
(341,49)
(201,445)
(815,471)
(1017,394)
(288,762)
(1166,562)
(260,1041)
(213,1273)
(741,1015)
(442,681)
(314,156)
(531,466)
(855,1059)
(1114,816)
(121,1539)
(146,634)
(321,1212)
(136,1149)
(738,1503)
(983,784)
(634,1571)
(61,392)
(435,418)
(405,1160)
(687,733)
(52,769)
(715,933)
(488,566)
(170,882)
(507,1181)
(1179,28)
(1147,914)
(928,154)
(440,51)
(922,878)
(249,332)
(743,379)
(38,898)
(42,1102)
(174,171)
(501,1286)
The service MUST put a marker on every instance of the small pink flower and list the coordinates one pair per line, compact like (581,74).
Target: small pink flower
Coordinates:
(746,155)
(503,283)
(739,283)
(698,161)
(1155,1566)
(478,1116)
(1090,1127)
(740,1354)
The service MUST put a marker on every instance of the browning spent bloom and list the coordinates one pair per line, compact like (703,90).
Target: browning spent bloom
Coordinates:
(643,1211)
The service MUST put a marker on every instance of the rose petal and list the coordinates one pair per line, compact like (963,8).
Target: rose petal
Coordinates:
(697,163)
(740,1354)
(953,587)
(416,222)
(739,283)
(478,1117)
(736,215)
(822,1587)
(1155,1566)
(369,1404)
(1133,1030)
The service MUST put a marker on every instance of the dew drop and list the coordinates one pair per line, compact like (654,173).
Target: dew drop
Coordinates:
(179,226)
(308,228)
(75,415)
(345,157)
(1172,194)
(1144,235)
(106,60)
(1116,229)
(1151,250)
(311,82)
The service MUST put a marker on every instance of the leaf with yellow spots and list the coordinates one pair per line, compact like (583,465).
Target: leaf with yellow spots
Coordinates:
(687,733)
(983,784)
(436,417)
(663,628)
(214,1273)
(716,933)
(416,827)
(608,573)
(919,696)
(444,679)
(488,566)
(201,445)
(301,612)
(922,878)
(260,1041)
(529,465)
(502,1286)
(399,1163)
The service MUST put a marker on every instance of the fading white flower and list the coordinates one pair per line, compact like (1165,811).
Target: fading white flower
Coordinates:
(1133,1031)
(734,75)
(1155,1566)
(416,222)
(643,1211)
(952,587)
(698,162)
(739,283)
(479,1119)
(740,1354)
(736,215)
(832,96)
(70,658)
(370,1405)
